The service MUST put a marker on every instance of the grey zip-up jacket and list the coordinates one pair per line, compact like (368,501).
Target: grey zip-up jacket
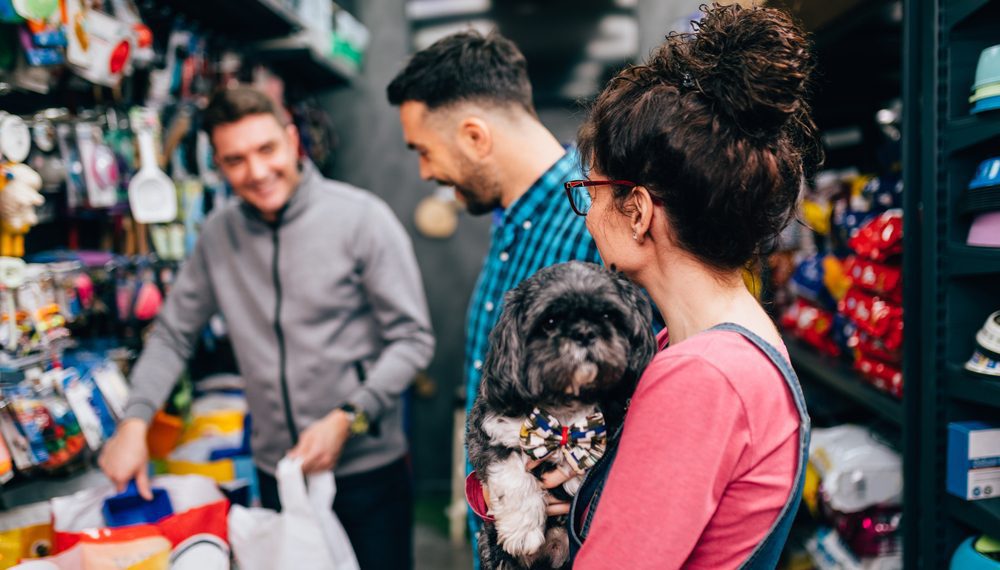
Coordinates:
(323,307)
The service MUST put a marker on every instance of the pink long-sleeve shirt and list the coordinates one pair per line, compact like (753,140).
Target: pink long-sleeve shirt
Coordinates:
(707,460)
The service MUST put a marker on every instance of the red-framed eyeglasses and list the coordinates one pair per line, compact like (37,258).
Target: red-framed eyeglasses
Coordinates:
(578,192)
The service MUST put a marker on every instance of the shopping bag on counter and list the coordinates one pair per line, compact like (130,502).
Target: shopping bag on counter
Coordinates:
(132,548)
(25,532)
(198,507)
(305,534)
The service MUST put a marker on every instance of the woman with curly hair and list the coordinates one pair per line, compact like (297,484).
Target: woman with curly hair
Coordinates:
(695,162)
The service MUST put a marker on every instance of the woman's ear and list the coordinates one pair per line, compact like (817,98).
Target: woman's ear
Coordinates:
(640,208)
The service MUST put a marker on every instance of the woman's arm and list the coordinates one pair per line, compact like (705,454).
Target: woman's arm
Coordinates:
(686,436)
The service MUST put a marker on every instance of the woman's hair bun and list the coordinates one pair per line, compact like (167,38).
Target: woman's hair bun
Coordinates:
(754,63)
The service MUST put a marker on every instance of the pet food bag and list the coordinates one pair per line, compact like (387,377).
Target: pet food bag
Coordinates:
(25,532)
(856,470)
(198,507)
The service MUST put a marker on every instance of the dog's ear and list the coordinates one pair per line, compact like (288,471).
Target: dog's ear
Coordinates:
(503,370)
(639,325)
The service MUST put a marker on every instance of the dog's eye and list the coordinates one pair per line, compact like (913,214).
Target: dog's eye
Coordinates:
(549,324)
(607,317)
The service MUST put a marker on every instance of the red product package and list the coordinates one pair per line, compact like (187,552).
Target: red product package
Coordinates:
(885,280)
(880,239)
(868,345)
(872,532)
(811,324)
(875,316)
(883,376)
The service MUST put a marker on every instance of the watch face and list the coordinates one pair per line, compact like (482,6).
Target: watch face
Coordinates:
(15,139)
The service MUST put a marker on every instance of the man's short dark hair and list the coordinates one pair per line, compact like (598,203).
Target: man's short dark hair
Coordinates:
(466,66)
(232,104)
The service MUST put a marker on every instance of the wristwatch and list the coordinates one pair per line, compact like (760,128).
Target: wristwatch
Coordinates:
(359,419)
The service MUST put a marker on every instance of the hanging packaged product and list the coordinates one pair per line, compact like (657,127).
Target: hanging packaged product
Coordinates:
(808,282)
(35,55)
(15,138)
(883,280)
(872,346)
(30,421)
(100,47)
(884,376)
(6,462)
(100,168)
(811,324)
(881,239)
(11,278)
(17,443)
(151,193)
(83,395)
(875,316)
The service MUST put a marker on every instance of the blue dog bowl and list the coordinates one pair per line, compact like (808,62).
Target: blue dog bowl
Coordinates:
(988,174)
(987,104)
(130,508)
(966,557)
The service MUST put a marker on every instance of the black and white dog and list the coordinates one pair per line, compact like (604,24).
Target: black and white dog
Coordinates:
(564,359)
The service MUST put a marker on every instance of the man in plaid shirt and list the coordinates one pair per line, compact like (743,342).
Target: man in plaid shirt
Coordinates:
(466,109)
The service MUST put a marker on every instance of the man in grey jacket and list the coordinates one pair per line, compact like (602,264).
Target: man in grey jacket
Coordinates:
(323,299)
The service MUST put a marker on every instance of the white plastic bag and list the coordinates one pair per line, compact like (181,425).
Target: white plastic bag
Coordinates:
(305,534)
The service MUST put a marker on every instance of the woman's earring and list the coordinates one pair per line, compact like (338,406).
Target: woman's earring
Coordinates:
(635,235)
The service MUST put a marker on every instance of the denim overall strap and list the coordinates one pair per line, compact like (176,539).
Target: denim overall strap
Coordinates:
(768,552)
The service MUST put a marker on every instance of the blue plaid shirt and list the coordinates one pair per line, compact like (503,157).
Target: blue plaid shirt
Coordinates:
(539,229)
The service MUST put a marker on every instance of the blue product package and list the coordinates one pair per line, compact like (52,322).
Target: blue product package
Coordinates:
(130,508)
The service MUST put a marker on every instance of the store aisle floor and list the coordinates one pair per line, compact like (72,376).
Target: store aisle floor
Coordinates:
(435,552)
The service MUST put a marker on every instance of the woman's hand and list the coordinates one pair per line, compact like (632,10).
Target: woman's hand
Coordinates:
(551,480)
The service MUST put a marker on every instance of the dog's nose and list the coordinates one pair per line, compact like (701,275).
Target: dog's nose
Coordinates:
(584,336)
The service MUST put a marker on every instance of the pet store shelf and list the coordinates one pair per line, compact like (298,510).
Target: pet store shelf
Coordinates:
(19,493)
(244,20)
(835,374)
(967,132)
(303,65)
(960,11)
(972,388)
(983,516)
(971,260)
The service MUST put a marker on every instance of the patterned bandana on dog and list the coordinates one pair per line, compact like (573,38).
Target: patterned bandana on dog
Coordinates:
(582,443)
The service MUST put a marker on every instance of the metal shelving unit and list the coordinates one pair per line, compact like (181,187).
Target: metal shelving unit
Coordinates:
(835,374)
(958,281)
(246,20)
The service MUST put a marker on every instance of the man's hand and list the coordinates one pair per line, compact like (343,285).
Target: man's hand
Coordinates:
(551,480)
(321,443)
(126,457)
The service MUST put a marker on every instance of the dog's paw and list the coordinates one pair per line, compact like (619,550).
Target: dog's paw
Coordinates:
(522,542)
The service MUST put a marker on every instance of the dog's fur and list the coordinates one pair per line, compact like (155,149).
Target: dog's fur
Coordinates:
(572,338)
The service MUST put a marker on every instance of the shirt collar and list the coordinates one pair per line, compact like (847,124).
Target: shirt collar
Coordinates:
(298,202)
(539,196)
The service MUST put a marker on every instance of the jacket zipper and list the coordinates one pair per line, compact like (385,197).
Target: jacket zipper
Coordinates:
(279,333)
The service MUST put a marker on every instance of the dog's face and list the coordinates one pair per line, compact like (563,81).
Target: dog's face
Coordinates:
(572,332)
